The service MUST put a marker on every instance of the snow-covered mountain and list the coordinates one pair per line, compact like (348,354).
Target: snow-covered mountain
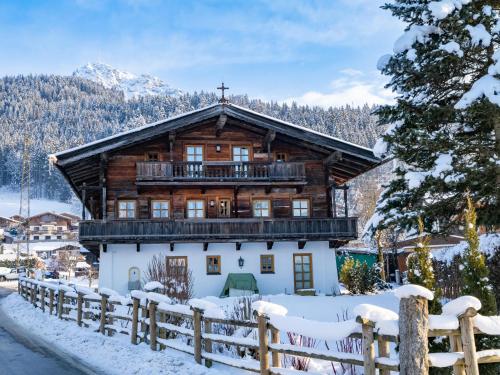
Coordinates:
(132,85)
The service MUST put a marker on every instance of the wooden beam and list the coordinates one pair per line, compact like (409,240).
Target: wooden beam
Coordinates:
(333,158)
(138,247)
(269,137)
(205,246)
(270,245)
(238,246)
(301,244)
(219,125)
(171,141)
(171,246)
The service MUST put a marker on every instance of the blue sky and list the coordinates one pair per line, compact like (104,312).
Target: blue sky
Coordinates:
(314,52)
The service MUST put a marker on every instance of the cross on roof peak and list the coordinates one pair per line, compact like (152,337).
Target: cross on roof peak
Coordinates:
(222,88)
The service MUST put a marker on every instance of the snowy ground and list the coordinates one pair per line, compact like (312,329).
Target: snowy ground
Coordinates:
(117,355)
(10,205)
(113,355)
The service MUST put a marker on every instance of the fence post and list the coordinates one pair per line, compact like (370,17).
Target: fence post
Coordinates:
(51,301)
(102,322)
(368,345)
(208,343)
(468,343)
(456,346)
(413,332)
(383,351)
(161,332)
(135,320)
(79,310)
(152,324)
(144,326)
(60,303)
(42,298)
(275,339)
(197,313)
(35,295)
(263,344)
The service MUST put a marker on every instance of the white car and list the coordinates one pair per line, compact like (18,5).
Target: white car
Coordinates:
(8,274)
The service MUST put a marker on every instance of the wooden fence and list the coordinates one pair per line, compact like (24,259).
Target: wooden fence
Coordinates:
(149,318)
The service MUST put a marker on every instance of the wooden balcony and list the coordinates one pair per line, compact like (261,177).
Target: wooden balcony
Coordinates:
(217,230)
(225,172)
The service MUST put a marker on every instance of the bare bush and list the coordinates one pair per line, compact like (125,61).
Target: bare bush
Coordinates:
(299,363)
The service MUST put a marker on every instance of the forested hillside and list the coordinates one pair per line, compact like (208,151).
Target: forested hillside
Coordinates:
(63,112)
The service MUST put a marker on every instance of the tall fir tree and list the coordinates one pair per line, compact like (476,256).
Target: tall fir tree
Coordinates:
(444,130)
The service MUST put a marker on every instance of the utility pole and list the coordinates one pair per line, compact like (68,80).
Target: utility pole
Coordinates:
(25,182)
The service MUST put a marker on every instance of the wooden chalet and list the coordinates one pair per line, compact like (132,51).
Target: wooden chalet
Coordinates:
(219,177)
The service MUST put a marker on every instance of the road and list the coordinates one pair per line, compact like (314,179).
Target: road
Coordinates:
(21,355)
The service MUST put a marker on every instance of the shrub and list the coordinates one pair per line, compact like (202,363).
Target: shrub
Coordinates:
(358,277)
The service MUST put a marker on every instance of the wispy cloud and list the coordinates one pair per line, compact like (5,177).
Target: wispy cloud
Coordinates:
(353,87)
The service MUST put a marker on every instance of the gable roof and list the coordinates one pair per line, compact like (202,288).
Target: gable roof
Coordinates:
(146,132)
(81,164)
(50,213)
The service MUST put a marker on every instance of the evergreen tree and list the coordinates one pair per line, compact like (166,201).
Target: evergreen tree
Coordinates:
(475,272)
(443,129)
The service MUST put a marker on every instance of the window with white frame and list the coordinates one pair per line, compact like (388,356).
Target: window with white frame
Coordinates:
(160,209)
(126,209)
(195,209)
(300,207)
(261,208)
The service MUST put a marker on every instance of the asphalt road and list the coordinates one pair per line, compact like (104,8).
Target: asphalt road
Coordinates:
(21,355)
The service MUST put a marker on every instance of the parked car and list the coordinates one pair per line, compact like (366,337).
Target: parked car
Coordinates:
(8,274)
(51,275)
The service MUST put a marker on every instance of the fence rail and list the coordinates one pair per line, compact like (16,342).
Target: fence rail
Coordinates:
(150,318)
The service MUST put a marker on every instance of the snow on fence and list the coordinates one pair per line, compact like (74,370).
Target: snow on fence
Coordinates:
(152,318)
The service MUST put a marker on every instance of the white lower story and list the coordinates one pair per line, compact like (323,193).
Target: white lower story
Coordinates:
(119,259)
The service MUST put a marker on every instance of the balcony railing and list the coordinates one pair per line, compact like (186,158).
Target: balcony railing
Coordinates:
(218,230)
(220,171)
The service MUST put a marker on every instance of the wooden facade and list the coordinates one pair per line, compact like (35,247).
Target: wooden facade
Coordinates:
(220,173)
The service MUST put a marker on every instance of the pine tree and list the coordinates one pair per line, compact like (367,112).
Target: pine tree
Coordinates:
(475,272)
(443,129)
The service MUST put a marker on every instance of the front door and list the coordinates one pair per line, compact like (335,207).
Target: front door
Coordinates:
(302,271)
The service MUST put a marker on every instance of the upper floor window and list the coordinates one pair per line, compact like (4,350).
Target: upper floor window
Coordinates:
(213,265)
(224,208)
(160,209)
(261,208)
(300,207)
(59,228)
(126,209)
(194,153)
(36,228)
(281,157)
(152,156)
(195,209)
(240,153)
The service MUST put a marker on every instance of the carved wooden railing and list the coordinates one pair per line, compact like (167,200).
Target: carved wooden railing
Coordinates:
(220,171)
(219,229)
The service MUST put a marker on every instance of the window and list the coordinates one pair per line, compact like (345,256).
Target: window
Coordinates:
(36,228)
(36,237)
(177,267)
(261,208)
(160,209)
(267,263)
(59,228)
(195,209)
(224,208)
(152,156)
(241,154)
(302,271)
(59,237)
(48,237)
(126,209)
(213,265)
(281,157)
(194,155)
(300,207)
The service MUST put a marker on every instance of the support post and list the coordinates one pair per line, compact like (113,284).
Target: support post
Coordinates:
(208,343)
(197,314)
(368,345)
(84,196)
(334,201)
(468,342)
(135,320)
(152,325)
(346,205)
(383,351)
(413,332)
(275,339)
(102,322)
(263,344)
(42,298)
(60,303)
(51,301)
(79,309)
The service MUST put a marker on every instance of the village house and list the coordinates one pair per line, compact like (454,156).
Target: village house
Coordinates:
(51,226)
(218,191)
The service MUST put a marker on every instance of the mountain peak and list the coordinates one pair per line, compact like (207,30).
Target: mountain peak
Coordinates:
(132,85)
